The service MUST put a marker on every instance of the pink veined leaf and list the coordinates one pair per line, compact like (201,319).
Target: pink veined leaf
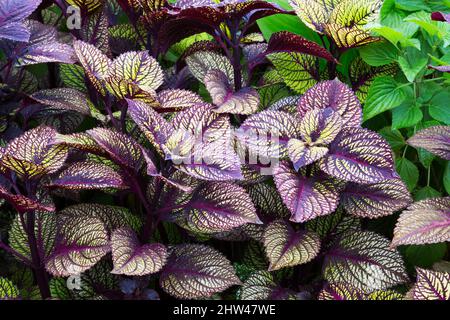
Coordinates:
(267,133)
(178,99)
(82,243)
(365,261)
(64,99)
(196,271)
(122,149)
(359,155)
(375,200)
(12,14)
(335,95)
(286,247)
(261,285)
(431,285)
(244,101)
(202,145)
(306,196)
(22,203)
(155,128)
(34,153)
(318,128)
(344,291)
(133,259)
(440,68)
(217,207)
(433,139)
(89,176)
(426,221)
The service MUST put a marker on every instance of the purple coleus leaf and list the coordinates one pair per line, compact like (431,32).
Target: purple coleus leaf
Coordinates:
(63,99)
(318,128)
(344,291)
(43,47)
(89,176)
(22,203)
(285,41)
(286,247)
(261,285)
(440,16)
(364,260)
(202,145)
(155,128)
(122,149)
(433,139)
(426,221)
(375,200)
(82,242)
(243,101)
(431,285)
(359,155)
(267,133)
(177,99)
(217,207)
(440,68)
(335,95)
(306,195)
(196,271)
(34,153)
(12,14)
(133,259)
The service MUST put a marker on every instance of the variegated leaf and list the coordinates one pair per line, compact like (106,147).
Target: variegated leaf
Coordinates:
(178,99)
(335,224)
(244,101)
(359,155)
(268,132)
(349,37)
(433,139)
(45,229)
(261,286)
(201,62)
(8,290)
(196,271)
(12,14)
(297,70)
(138,68)
(218,206)
(155,128)
(426,221)
(34,153)
(83,242)
(133,259)
(364,260)
(431,285)
(342,291)
(267,200)
(335,95)
(306,196)
(286,247)
(95,63)
(122,149)
(64,99)
(375,200)
(87,5)
(315,14)
(22,203)
(112,217)
(89,176)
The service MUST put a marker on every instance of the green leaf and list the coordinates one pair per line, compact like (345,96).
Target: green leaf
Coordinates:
(411,5)
(393,137)
(379,53)
(424,255)
(446,178)
(439,107)
(412,62)
(384,94)
(426,192)
(408,172)
(406,115)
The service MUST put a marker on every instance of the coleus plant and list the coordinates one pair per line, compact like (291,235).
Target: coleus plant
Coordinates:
(127,174)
